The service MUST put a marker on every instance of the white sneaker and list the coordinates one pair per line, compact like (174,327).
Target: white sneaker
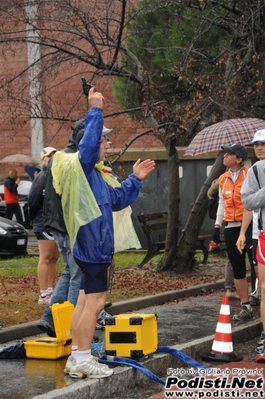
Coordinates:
(261,343)
(254,298)
(245,314)
(100,325)
(44,300)
(69,364)
(91,368)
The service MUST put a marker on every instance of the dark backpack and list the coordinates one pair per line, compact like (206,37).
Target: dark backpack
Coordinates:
(213,205)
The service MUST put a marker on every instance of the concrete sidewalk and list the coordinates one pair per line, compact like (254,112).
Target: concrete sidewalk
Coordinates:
(187,321)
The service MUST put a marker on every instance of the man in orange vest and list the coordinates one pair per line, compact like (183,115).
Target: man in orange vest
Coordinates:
(11,196)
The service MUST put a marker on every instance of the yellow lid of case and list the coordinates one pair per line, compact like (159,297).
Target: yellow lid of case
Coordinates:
(62,314)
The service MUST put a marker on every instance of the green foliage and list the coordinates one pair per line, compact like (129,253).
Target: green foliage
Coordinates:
(162,39)
(191,52)
(126,93)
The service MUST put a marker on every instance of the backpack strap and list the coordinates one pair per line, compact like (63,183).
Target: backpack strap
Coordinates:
(255,170)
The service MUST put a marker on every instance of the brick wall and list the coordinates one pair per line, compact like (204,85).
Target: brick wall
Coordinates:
(15,130)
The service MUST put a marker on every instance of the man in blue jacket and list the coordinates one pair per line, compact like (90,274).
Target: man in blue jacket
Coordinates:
(67,287)
(88,199)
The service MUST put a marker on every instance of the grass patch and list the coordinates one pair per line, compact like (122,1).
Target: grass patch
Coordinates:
(19,288)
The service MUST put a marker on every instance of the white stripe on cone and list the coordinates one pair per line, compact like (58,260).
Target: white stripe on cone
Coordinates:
(223,336)
(225,309)
(224,328)
(222,347)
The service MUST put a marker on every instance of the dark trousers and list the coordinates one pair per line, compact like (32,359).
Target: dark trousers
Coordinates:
(14,209)
(238,260)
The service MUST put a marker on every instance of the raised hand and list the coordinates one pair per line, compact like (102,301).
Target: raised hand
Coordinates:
(142,169)
(95,98)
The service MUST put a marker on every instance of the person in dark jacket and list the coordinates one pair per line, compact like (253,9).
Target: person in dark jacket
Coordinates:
(67,287)
(11,183)
(48,250)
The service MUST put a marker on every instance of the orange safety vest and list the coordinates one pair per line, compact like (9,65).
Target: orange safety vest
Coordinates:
(10,198)
(233,206)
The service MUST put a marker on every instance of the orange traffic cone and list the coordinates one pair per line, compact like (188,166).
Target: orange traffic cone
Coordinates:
(222,349)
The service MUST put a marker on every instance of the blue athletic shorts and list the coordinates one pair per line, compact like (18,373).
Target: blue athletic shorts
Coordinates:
(95,277)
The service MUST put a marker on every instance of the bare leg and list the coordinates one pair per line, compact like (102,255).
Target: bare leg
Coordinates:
(86,325)
(81,301)
(47,263)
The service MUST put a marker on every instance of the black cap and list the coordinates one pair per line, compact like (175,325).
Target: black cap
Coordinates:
(237,149)
(78,131)
(38,168)
(72,144)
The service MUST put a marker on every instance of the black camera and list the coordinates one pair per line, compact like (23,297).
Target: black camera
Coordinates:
(86,86)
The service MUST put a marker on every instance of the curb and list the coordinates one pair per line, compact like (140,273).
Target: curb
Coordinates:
(20,331)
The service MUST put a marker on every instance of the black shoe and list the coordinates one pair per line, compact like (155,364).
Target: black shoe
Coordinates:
(46,327)
(107,305)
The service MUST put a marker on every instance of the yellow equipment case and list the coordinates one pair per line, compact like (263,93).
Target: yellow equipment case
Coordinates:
(53,348)
(131,335)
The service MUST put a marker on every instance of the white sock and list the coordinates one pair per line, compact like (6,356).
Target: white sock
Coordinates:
(74,350)
(82,356)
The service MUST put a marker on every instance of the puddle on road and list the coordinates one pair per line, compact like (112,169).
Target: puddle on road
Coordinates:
(26,378)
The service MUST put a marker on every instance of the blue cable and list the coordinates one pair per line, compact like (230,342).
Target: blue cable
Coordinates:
(132,363)
(96,347)
(111,360)
(181,356)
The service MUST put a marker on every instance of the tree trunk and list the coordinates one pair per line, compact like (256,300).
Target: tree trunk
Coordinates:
(173,209)
(180,258)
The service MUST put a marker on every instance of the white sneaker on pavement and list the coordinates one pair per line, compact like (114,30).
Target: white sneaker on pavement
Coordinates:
(100,325)
(245,314)
(91,368)
(69,364)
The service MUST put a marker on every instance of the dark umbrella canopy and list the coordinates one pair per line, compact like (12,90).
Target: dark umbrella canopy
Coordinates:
(225,133)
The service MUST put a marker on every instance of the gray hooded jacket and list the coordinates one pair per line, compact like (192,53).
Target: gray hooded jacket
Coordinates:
(253,191)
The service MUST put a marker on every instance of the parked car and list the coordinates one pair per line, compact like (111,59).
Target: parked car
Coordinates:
(13,238)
